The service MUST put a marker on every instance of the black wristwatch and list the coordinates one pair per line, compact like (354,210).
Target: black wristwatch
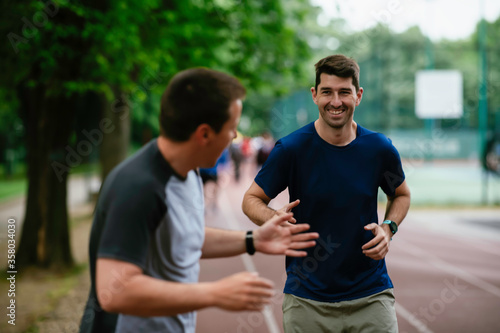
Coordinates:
(392,226)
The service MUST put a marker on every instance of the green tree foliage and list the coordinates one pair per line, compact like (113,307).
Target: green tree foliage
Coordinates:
(389,61)
(93,66)
(78,72)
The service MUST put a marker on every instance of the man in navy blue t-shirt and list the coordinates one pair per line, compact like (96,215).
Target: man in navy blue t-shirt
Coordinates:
(334,167)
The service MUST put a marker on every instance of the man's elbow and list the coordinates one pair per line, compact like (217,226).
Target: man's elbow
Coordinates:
(407,194)
(116,299)
(109,301)
(245,204)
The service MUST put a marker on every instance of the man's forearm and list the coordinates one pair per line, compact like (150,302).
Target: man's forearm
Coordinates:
(121,287)
(257,210)
(397,206)
(223,243)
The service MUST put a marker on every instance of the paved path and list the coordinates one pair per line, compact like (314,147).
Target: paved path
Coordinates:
(79,188)
(445,265)
(78,193)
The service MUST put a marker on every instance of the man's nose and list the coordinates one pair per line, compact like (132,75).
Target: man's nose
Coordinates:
(335,101)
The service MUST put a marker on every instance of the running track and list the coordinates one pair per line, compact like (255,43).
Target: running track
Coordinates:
(445,266)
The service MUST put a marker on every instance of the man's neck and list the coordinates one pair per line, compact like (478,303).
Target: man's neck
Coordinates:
(336,136)
(177,154)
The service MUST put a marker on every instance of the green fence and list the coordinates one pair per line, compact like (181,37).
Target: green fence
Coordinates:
(298,109)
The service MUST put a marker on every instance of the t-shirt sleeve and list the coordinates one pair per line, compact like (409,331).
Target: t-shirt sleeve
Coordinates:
(393,174)
(130,218)
(274,174)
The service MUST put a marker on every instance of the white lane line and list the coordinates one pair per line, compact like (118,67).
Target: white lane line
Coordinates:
(447,267)
(232,222)
(413,320)
(478,242)
(486,247)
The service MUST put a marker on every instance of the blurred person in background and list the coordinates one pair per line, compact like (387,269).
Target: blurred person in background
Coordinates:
(236,156)
(265,145)
(491,155)
(333,167)
(210,179)
(148,232)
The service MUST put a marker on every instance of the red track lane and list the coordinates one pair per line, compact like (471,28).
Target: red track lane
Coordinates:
(446,275)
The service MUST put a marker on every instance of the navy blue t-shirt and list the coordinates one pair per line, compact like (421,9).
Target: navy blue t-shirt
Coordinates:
(337,188)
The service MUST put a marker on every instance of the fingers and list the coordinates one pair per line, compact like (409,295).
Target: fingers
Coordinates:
(294,253)
(281,218)
(377,253)
(305,237)
(378,237)
(298,228)
(261,282)
(301,245)
(287,208)
(288,216)
(378,247)
(371,226)
(242,292)
(291,205)
(259,293)
(287,224)
(371,243)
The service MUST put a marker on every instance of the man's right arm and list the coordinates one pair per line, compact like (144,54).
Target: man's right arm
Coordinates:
(255,205)
(123,288)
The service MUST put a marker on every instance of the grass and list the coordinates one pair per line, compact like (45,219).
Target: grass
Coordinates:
(16,184)
(41,290)
(10,188)
(66,281)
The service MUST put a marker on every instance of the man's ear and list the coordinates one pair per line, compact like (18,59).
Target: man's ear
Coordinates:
(313,93)
(203,134)
(359,95)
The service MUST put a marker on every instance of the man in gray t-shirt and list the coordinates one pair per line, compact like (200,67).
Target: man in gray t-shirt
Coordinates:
(148,232)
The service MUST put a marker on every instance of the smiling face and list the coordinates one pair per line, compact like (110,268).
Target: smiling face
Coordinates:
(336,98)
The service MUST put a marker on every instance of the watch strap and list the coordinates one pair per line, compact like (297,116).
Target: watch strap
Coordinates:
(249,242)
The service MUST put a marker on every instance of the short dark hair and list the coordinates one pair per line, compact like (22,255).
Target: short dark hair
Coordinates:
(338,65)
(197,96)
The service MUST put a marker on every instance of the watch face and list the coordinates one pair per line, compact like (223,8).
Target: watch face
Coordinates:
(393,226)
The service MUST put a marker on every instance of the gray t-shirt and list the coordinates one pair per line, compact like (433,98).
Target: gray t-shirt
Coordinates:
(153,218)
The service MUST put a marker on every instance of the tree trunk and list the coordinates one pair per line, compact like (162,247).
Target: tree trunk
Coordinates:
(48,122)
(116,141)
(49,107)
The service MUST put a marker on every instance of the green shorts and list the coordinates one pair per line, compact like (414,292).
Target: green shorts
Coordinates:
(374,313)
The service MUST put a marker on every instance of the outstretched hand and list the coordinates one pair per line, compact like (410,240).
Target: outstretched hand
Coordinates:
(378,247)
(275,237)
(243,291)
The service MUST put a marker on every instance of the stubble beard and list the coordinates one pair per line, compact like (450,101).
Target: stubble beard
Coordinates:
(333,124)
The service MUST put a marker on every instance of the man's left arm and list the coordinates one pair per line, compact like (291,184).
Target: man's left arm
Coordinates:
(396,210)
(276,236)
